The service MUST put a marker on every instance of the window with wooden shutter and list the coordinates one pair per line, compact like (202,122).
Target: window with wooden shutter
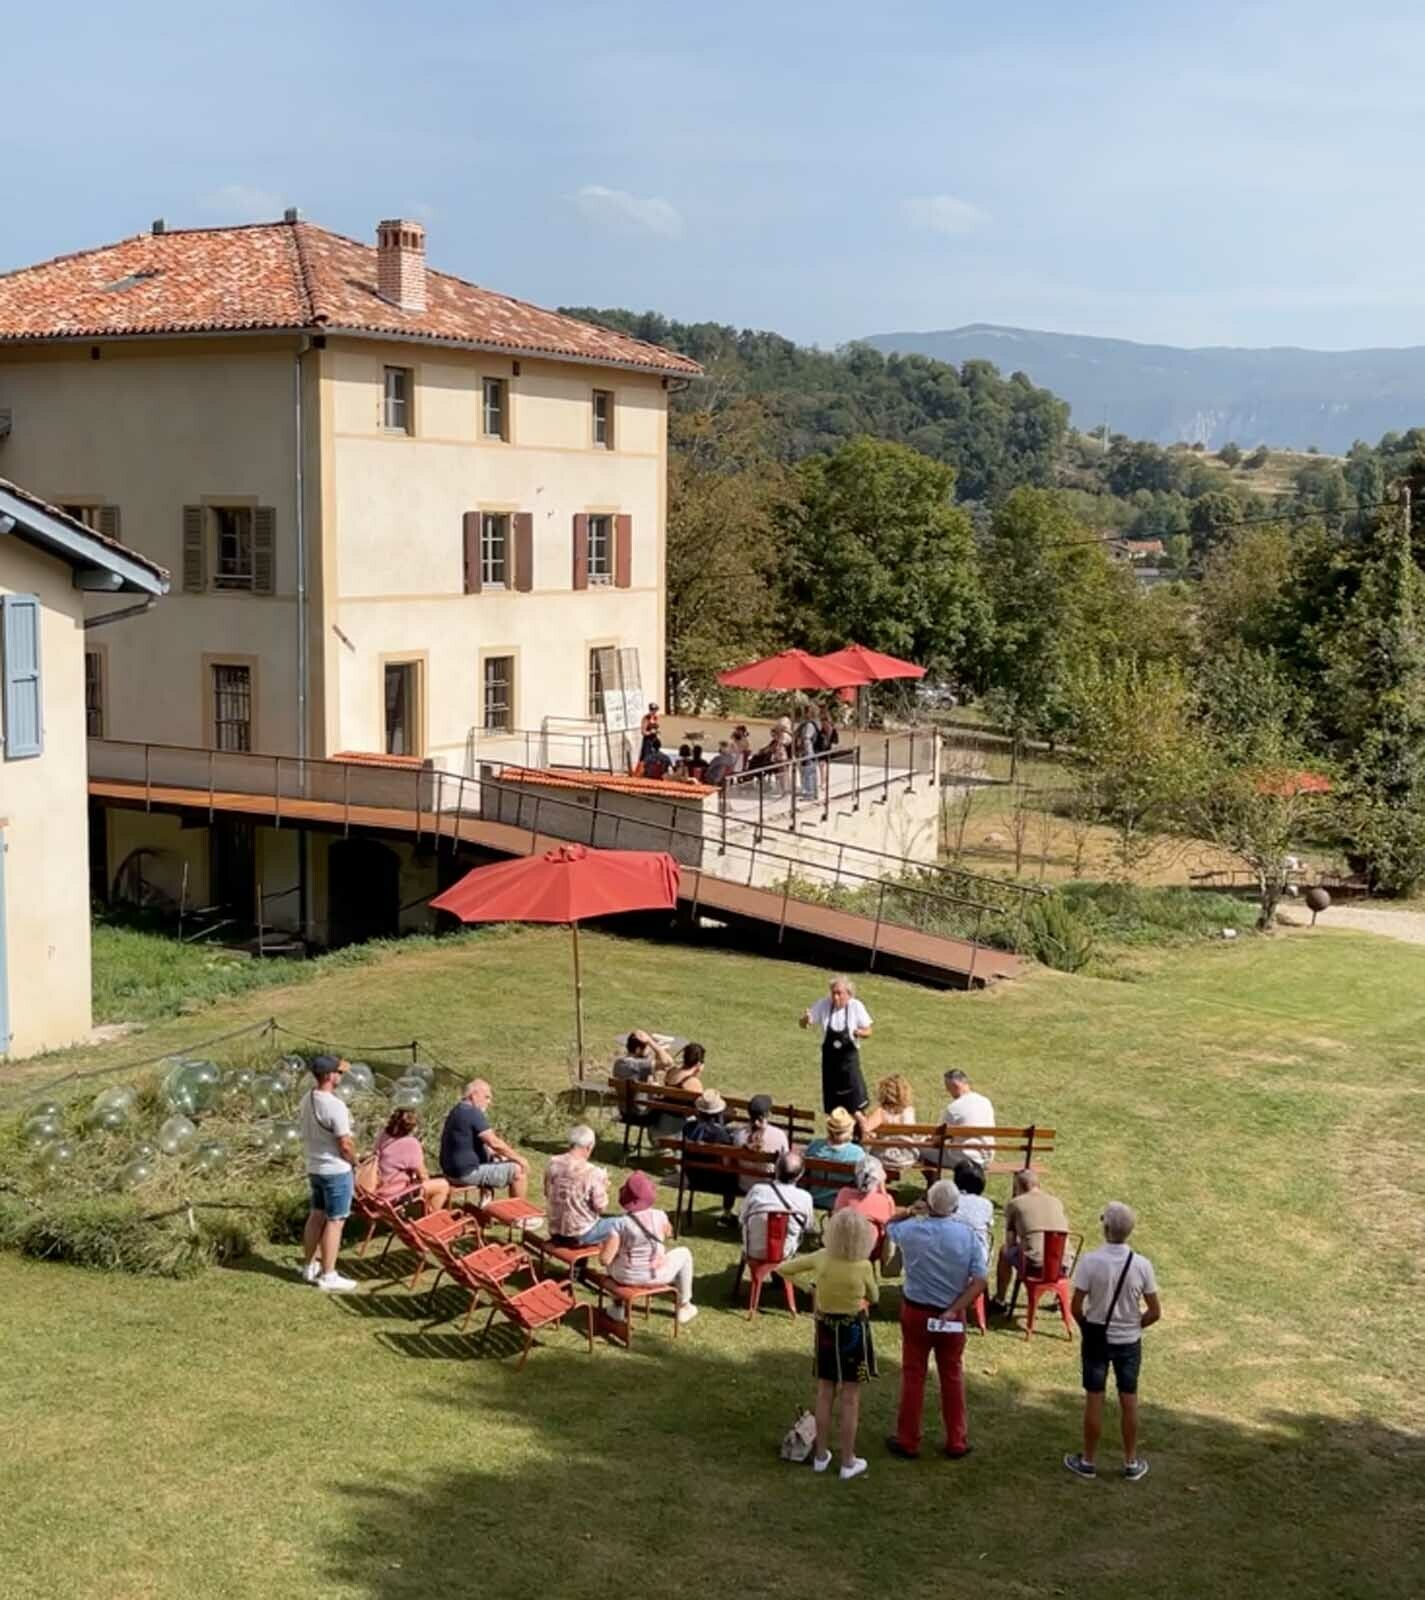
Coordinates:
(195,554)
(599,550)
(109,521)
(623,552)
(20,647)
(524,551)
(264,550)
(470,527)
(581,550)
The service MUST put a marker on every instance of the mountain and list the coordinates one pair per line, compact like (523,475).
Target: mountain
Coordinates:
(1285,397)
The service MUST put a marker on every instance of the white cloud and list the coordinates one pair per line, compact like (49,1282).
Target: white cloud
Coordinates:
(243,202)
(620,209)
(943,213)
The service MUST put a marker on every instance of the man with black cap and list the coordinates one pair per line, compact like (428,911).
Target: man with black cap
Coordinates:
(331,1174)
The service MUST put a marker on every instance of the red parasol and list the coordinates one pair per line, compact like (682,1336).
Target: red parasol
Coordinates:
(791,669)
(568,884)
(869,666)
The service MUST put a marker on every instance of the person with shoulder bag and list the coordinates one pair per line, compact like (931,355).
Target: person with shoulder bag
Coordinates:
(1109,1283)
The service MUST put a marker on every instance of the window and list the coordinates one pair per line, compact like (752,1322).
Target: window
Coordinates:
(601,549)
(93,694)
(232,708)
(493,418)
(396,399)
(604,418)
(494,549)
(499,692)
(88,515)
(596,685)
(233,547)
(403,708)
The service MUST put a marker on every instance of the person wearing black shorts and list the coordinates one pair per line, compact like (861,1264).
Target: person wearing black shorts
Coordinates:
(1115,1299)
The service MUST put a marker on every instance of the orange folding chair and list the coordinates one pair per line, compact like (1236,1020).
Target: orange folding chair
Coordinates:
(542,1305)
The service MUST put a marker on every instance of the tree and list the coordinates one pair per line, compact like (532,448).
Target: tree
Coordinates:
(1244,583)
(1230,454)
(877,552)
(1258,458)
(1138,751)
(723,563)
(1211,515)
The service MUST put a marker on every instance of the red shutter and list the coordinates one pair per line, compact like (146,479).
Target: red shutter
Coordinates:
(524,551)
(623,552)
(472,552)
(581,550)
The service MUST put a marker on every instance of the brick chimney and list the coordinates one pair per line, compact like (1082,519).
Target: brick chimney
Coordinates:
(401,263)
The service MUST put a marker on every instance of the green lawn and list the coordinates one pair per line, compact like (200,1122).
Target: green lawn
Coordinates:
(1259,1103)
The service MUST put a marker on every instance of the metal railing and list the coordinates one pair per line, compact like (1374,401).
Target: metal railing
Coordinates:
(438,803)
(582,744)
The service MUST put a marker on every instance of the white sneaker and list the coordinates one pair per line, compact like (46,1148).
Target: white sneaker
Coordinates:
(311,1271)
(334,1283)
(615,1312)
(687,1313)
(821,1463)
(857,1467)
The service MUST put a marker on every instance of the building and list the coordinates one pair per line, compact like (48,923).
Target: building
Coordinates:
(49,563)
(405,512)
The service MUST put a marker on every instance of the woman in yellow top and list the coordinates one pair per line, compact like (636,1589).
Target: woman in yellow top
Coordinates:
(843,1355)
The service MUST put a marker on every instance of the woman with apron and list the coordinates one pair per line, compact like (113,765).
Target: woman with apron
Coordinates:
(649,742)
(844,1022)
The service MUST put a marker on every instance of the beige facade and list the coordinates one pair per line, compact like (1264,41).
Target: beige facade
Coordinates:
(166,429)
(44,833)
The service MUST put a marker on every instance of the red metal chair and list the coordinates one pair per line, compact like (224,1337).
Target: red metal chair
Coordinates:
(628,1295)
(570,1256)
(376,1211)
(477,1269)
(1052,1278)
(542,1305)
(513,1215)
(760,1268)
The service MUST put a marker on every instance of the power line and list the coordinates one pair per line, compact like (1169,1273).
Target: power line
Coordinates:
(1301,515)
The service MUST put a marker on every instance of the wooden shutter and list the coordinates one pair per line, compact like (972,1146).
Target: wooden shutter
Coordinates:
(195,550)
(109,521)
(581,550)
(264,550)
(623,552)
(524,551)
(24,712)
(470,525)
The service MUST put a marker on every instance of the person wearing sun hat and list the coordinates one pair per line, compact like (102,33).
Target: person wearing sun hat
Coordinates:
(634,1252)
(838,1145)
(708,1125)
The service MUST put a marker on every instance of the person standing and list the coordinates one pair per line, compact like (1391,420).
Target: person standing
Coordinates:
(806,736)
(1109,1283)
(331,1174)
(844,1022)
(945,1270)
(843,1355)
(650,744)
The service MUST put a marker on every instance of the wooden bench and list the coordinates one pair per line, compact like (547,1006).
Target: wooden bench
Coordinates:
(712,1168)
(939,1145)
(639,1103)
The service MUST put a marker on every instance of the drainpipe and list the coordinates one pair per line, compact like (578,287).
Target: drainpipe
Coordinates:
(299,484)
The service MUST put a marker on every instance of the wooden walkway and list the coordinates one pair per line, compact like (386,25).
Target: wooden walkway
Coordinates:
(847,938)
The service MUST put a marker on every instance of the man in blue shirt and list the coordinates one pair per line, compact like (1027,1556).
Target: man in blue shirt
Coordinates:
(945,1273)
(472,1154)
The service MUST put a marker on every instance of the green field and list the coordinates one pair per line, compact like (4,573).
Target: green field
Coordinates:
(1259,1103)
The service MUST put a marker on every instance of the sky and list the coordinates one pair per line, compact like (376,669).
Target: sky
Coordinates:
(1207,174)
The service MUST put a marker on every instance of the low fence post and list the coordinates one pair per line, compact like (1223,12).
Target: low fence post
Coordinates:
(886,774)
(786,896)
(534,829)
(910,764)
(974,950)
(840,857)
(794,780)
(876,935)
(826,786)
(856,780)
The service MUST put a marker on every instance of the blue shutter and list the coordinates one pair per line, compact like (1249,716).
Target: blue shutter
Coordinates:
(24,722)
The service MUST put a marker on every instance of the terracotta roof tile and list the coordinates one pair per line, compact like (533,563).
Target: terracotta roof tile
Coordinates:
(101,539)
(285,275)
(372,758)
(608,782)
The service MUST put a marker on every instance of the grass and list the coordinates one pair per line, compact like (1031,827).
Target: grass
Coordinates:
(238,1436)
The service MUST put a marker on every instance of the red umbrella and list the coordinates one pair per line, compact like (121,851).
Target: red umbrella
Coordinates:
(568,884)
(791,669)
(870,666)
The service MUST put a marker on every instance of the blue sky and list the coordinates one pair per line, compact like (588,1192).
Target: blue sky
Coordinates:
(1237,174)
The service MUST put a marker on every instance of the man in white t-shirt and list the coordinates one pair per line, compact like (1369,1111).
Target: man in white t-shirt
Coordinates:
(1109,1284)
(331,1174)
(967,1108)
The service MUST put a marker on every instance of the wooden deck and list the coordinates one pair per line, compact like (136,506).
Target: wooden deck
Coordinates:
(858,942)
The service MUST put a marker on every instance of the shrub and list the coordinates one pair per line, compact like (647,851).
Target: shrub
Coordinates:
(1124,914)
(1230,454)
(1057,937)
(110,1233)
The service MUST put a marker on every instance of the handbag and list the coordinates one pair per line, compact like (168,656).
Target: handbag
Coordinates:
(800,1439)
(1095,1334)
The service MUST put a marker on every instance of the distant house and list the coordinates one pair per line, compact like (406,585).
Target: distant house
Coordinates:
(1140,551)
(50,562)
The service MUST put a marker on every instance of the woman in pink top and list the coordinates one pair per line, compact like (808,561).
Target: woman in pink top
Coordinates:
(869,1197)
(401,1162)
(635,1253)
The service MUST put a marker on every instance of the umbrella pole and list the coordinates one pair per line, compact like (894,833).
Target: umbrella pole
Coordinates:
(578,999)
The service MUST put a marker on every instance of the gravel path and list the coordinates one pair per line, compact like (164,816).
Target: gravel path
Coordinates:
(1406,925)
